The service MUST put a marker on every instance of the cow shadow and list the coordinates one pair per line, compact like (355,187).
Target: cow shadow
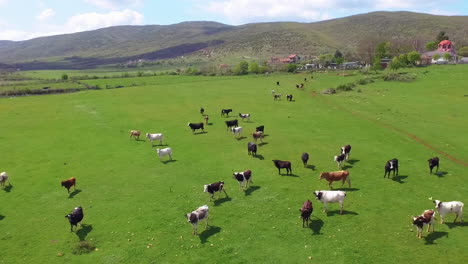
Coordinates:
(2,217)
(441,173)
(353,161)
(345,167)
(265,135)
(262,144)
(431,237)
(8,188)
(84,231)
(453,225)
(250,190)
(72,194)
(337,212)
(209,124)
(399,178)
(260,157)
(168,161)
(312,167)
(162,145)
(290,175)
(139,139)
(200,133)
(208,233)
(349,189)
(241,138)
(316,226)
(220,201)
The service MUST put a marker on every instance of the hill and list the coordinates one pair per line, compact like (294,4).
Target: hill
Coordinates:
(220,42)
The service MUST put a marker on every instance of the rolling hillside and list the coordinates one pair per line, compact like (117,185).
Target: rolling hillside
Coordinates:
(220,42)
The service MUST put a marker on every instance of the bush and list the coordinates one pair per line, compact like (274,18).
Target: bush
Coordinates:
(345,87)
(399,77)
(364,81)
(329,91)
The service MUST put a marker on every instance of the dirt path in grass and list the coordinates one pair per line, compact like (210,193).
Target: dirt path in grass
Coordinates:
(401,131)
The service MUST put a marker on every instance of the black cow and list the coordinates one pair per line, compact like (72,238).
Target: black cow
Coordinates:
(260,128)
(283,165)
(231,123)
(195,126)
(252,149)
(306,211)
(289,97)
(214,187)
(305,158)
(434,162)
(225,112)
(277,83)
(346,150)
(244,179)
(75,217)
(202,110)
(391,165)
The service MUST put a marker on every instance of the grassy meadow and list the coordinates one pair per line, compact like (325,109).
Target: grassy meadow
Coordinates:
(135,205)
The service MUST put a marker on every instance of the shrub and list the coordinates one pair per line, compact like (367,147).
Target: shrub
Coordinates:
(345,87)
(364,81)
(399,77)
(329,91)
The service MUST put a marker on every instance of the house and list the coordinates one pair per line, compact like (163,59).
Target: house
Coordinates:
(445,46)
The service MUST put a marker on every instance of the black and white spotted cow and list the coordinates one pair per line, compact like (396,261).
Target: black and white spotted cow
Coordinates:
(346,150)
(391,165)
(213,188)
(244,179)
(340,160)
(198,215)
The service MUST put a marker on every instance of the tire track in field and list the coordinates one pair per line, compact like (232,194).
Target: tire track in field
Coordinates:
(401,131)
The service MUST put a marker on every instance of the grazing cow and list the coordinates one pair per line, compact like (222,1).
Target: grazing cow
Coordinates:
(244,179)
(214,187)
(202,110)
(260,128)
(280,164)
(289,97)
(257,135)
(297,86)
(236,131)
(301,86)
(391,165)
(305,79)
(339,159)
(196,216)
(153,137)
(277,83)
(330,197)
(135,134)
(3,179)
(272,91)
(306,211)
(434,162)
(206,119)
(444,208)
(163,152)
(244,116)
(75,217)
(69,183)
(305,158)
(336,176)
(346,150)
(225,112)
(277,97)
(427,218)
(195,126)
(252,149)
(231,123)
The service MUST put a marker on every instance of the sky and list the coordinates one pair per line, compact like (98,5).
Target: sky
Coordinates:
(27,19)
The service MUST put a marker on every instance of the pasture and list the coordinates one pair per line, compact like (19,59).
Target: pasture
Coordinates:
(134,205)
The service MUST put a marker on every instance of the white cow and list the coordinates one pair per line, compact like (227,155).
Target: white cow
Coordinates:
(3,179)
(244,116)
(444,208)
(153,137)
(237,131)
(198,215)
(163,152)
(330,197)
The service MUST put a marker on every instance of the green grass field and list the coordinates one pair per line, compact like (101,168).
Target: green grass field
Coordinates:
(131,199)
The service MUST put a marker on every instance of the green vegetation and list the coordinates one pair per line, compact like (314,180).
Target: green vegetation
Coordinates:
(134,204)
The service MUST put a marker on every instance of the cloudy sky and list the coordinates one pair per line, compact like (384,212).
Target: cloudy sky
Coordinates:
(26,19)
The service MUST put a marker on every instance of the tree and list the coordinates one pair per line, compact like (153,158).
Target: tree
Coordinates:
(254,68)
(326,59)
(263,69)
(64,76)
(447,56)
(431,46)
(441,36)
(436,56)
(403,60)
(339,60)
(414,57)
(291,67)
(382,50)
(395,64)
(463,52)
(338,54)
(376,66)
(242,68)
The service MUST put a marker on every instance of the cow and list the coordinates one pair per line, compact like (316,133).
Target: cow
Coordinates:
(75,217)
(196,216)
(69,183)
(305,79)
(196,126)
(202,110)
(3,179)
(244,179)
(206,118)
(135,134)
(277,97)
(306,211)
(280,164)
(277,83)
(244,116)
(260,128)
(289,97)
(346,150)
(426,218)
(444,208)
(336,176)
(257,135)
(297,86)
(252,149)
(339,159)
(163,152)
(330,197)
(225,112)
(231,123)
(305,158)
(391,165)
(236,131)
(301,86)
(434,162)
(214,187)
(153,137)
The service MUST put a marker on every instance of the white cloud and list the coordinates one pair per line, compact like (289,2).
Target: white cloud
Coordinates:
(443,12)
(13,35)
(114,4)
(44,15)
(2,2)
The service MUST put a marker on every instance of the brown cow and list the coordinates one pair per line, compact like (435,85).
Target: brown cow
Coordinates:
(336,176)
(257,135)
(427,218)
(306,211)
(69,183)
(135,134)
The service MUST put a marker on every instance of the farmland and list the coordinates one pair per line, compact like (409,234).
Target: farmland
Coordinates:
(135,205)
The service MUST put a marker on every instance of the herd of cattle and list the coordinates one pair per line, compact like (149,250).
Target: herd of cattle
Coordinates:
(245,178)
